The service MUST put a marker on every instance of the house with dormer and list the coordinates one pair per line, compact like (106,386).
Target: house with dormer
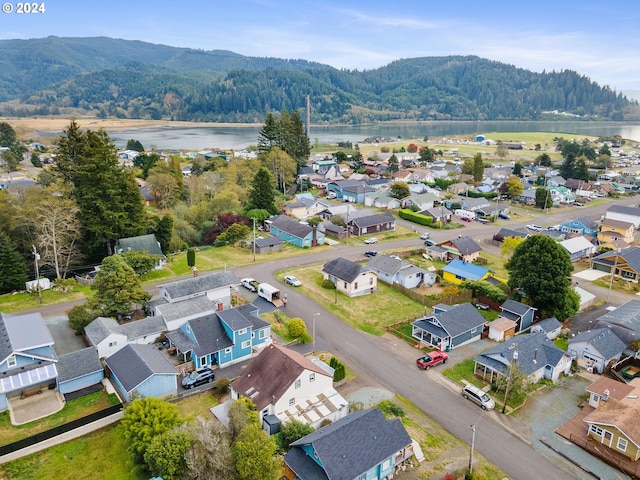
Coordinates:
(449,326)
(533,354)
(285,385)
(28,361)
(222,338)
(362,445)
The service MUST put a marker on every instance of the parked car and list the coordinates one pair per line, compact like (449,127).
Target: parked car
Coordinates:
(204,375)
(429,243)
(466,219)
(371,240)
(477,396)
(482,306)
(425,235)
(535,228)
(578,204)
(554,228)
(370,253)
(482,220)
(504,216)
(293,281)
(250,284)
(432,359)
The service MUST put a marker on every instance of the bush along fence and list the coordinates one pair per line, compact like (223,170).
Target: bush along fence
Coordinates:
(54,432)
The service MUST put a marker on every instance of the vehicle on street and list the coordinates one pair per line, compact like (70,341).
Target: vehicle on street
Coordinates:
(481,220)
(204,375)
(482,306)
(554,228)
(250,284)
(371,240)
(429,243)
(425,235)
(504,216)
(535,228)
(479,397)
(370,253)
(578,204)
(432,359)
(293,281)
(466,219)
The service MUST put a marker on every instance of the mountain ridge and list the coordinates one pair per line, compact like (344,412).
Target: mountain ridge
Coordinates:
(120,78)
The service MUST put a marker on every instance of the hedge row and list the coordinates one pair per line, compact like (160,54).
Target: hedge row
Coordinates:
(415,217)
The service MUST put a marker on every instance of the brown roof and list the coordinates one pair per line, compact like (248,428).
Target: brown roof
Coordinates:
(624,415)
(610,222)
(502,324)
(271,373)
(617,390)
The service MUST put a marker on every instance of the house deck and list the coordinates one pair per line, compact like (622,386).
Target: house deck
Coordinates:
(575,430)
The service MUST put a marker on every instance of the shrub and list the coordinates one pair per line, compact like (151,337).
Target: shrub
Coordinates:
(340,373)
(414,217)
(296,327)
(328,284)
(64,285)
(222,386)
(80,316)
(305,338)
(390,408)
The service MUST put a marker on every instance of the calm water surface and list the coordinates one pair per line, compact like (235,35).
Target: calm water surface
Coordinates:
(238,137)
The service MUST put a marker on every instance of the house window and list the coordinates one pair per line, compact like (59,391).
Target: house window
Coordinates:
(227,350)
(371,281)
(203,360)
(345,285)
(297,383)
(262,333)
(11,361)
(596,429)
(622,444)
(113,344)
(312,377)
(386,464)
(187,327)
(242,332)
(246,344)
(292,402)
(355,286)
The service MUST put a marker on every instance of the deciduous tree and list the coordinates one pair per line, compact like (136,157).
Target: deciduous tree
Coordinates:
(253,451)
(165,454)
(540,269)
(293,430)
(400,190)
(209,457)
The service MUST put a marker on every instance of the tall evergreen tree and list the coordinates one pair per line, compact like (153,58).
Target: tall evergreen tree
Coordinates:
(109,198)
(13,267)
(568,167)
(478,167)
(268,136)
(581,171)
(261,194)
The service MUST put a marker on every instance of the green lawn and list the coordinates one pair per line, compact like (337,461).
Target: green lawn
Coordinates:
(15,302)
(100,455)
(370,313)
(73,409)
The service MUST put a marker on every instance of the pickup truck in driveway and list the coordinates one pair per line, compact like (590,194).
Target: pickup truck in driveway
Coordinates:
(432,359)
(250,284)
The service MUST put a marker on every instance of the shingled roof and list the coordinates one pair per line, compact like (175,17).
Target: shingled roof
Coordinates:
(200,284)
(344,269)
(135,363)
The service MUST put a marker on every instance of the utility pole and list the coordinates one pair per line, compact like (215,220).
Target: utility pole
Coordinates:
(313,336)
(254,238)
(36,256)
(473,441)
(514,360)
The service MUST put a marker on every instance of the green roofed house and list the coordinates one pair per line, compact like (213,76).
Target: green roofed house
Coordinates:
(142,243)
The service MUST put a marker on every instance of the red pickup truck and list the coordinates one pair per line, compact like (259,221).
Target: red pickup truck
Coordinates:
(432,359)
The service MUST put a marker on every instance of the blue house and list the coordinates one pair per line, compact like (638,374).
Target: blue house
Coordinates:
(222,338)
(362,445)
(27,358)
(80,372)
(580,226)
(297,233)
(349,190)
(142,370)
(449,326)
(518,312)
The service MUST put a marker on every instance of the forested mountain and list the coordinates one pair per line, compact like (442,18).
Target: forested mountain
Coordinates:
(132,79)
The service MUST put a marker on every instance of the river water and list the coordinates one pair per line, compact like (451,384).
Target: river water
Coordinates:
(239,137)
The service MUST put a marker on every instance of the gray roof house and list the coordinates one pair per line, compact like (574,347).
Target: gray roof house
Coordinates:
(79,372)
(624,321)
(624,214)
(598,348)
(520,313)
(349,277)
(142,370)
(533,354)
(364,444)
(380,222)
(143,243)
(217,286)
(395,270)
(108,336)
(625,263)
(551,327)
(504,232)
(176,313)
(449,326)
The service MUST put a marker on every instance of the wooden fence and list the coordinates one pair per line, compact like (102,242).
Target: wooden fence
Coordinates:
(603,453)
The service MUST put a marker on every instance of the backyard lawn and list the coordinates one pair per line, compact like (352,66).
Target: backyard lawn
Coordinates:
(369,313)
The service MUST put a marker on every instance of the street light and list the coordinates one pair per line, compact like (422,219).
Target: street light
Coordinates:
(473,441)
(313,335)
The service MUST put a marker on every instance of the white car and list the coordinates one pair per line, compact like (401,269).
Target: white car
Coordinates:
(293,281)
(535,228)
(425,235)
(371,240)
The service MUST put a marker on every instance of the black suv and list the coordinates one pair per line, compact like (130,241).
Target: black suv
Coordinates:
(198,377)
(370,253)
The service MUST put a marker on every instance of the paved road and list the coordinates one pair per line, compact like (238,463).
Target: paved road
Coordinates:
(391,364)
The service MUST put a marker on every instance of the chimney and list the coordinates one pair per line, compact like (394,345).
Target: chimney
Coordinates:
(314,241)
(605,395)
(535,355)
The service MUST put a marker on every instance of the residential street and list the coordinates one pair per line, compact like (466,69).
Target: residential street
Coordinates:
(390,363)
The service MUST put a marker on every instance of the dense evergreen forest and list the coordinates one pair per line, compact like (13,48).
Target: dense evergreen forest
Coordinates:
(131,79)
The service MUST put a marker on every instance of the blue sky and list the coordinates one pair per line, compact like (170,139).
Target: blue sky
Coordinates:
(599,39)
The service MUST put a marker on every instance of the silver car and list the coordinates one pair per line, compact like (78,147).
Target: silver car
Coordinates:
(478,397)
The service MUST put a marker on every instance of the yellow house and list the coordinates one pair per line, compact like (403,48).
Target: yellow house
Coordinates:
(616,425)
(615,230)
(458,271)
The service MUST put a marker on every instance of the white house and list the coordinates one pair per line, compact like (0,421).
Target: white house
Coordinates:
(108,336)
